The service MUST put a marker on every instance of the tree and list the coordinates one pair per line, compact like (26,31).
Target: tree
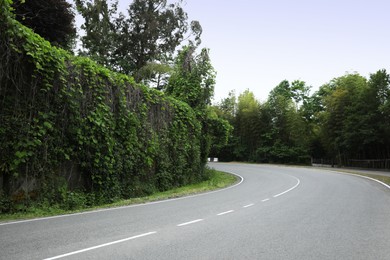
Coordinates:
(51,19)
(379,85)
(373,110)
(246,126)
(343,119)
(274,131)
(193,82)
(226,110)
(220,132)
(228,107)
(99,41)
(155,74)
(152,29)
(286,136)
(297,90)
(193,78)
(140,44)
(347,121)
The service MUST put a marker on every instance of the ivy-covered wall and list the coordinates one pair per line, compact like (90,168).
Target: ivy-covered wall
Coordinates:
(67,124)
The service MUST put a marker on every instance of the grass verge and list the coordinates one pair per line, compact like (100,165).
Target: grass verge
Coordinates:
(217,180)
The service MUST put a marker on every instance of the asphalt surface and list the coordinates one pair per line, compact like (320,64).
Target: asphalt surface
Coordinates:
(377,172)
(274,213)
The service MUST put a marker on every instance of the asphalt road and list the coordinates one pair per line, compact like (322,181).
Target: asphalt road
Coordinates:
(274,213)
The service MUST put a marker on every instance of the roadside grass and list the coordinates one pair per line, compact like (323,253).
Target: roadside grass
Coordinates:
(217,180)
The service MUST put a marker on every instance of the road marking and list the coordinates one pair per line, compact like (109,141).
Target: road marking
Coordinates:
(249,205)
(102,245)
(264,200)
(125,207)
(361,176)
(190,222)
(226,212)
(284,192)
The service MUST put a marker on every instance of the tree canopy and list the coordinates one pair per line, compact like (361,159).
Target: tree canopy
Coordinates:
(142,42)
(51,19)
(345,121)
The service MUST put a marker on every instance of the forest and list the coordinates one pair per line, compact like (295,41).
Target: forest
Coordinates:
(346,122)
(125,109)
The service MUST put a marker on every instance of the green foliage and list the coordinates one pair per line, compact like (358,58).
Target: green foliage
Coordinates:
(149,34)
(345,121)
(51,19)
(156,74)
(193,79)
(74,133)
(100,30)
(227,107)
(215,180)
(193,82)
(352,120)
(220,131)
(246,126)
(152,30)
(274,131)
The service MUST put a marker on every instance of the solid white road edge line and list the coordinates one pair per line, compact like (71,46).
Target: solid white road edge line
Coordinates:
(190,222)
(125,207)
(366,177)
(361,176)
(226,212)
(102,245)
(284,192)
(249,205)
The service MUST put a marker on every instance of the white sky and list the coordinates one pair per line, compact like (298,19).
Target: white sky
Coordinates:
(255,44)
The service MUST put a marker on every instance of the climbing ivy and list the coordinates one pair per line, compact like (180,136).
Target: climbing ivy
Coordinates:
(74,132)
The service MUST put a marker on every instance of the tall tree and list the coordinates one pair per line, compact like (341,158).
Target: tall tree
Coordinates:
(342,118)
(246,126)
(228,107)
(51,19)
(226,110)
(152,29)
(297,90)
(193,78)
(141,43)
(99,41)
(193,82)
(374,117)
(286,137)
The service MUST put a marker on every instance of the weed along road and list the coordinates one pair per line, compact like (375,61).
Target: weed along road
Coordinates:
(272,213)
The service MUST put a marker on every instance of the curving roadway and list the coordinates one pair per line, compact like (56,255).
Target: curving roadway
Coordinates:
(272,213)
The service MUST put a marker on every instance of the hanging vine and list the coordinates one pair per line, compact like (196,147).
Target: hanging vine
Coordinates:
(70,126)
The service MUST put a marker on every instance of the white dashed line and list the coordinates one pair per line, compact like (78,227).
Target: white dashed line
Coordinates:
(190,222)
(226,212)
(264,200)
(249,205)
(102,245)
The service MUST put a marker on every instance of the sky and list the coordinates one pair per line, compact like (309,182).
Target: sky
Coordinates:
(256,44)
